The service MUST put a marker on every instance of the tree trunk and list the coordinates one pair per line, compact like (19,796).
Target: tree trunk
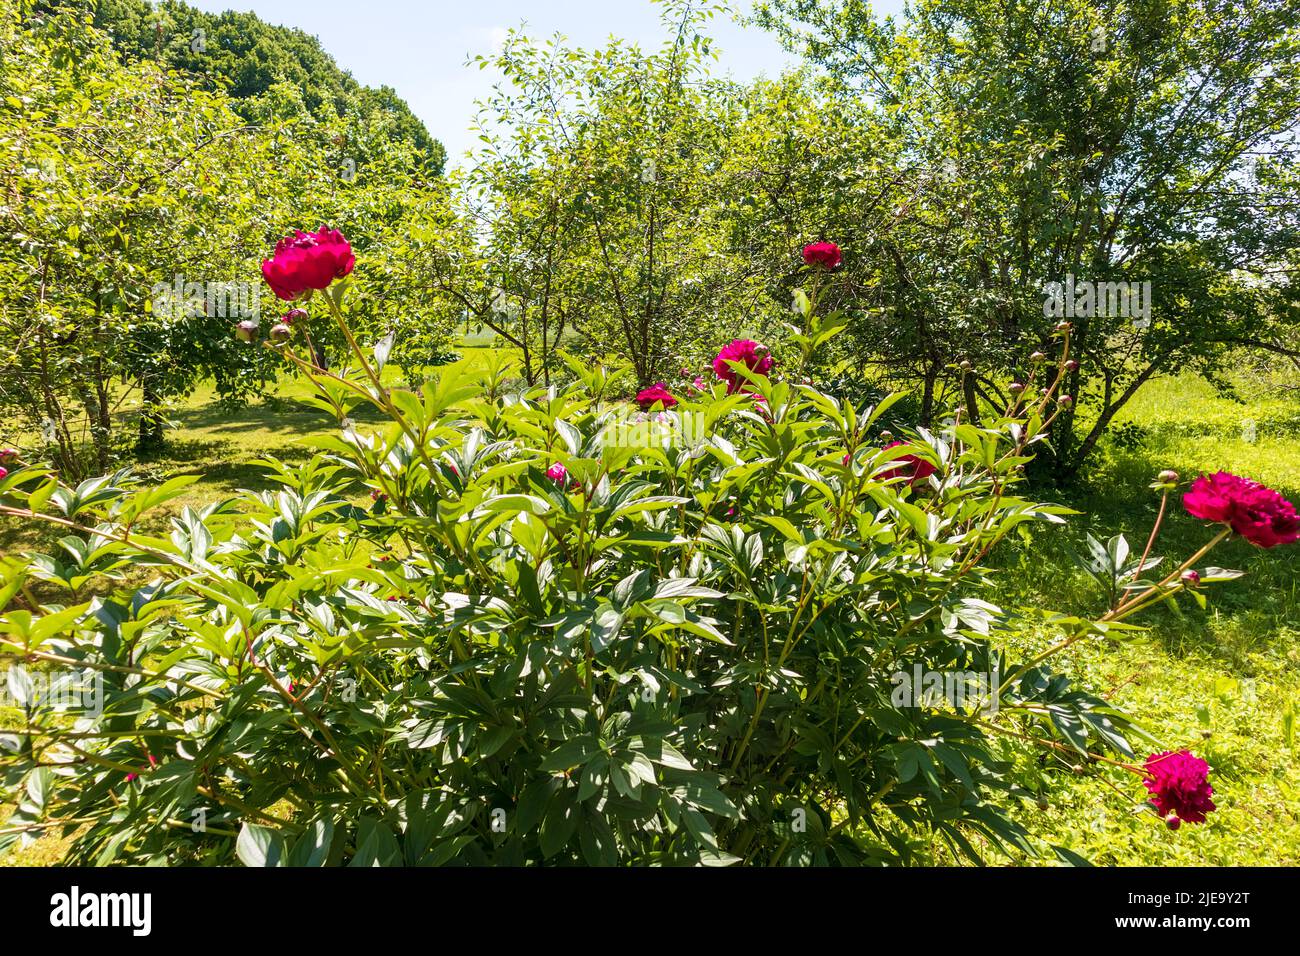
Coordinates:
(972,399)
(151,420)
(104,418)
(927,397)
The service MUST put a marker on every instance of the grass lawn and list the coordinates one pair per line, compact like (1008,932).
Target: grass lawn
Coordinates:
(1224,682)
(225,446)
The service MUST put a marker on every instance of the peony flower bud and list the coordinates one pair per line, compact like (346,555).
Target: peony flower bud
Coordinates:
(1168,476)
(1016,388)
(246,330)
(295,315)
(1038,358)
(1066,400)
(656,394)
(1063,326)
(4,473)
(8,455)
(280,332)
(1191,578)
(1173,823)
(1072,366)
(966,366)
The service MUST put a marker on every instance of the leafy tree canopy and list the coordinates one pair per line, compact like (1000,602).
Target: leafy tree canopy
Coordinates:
(253,60)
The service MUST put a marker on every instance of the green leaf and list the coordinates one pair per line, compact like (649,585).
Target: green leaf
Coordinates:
(260,846)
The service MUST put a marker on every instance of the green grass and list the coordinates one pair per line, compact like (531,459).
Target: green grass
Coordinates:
(1217,681)
(224,446)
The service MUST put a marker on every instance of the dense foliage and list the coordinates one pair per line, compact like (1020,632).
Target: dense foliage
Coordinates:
(560,633)
(263,68)
(137,204)
(1069,141)
(667,580)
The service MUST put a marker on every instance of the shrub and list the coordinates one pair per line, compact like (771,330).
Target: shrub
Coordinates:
(556,631)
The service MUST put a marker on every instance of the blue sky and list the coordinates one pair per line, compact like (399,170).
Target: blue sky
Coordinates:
(419,47)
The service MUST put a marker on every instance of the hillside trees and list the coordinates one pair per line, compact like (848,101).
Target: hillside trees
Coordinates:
(247,58)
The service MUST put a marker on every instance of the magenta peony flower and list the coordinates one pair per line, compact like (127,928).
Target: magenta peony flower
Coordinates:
(824,254)
(1179,785)
(754,357)
(658,392)
(4,473)
(558,474)
(307,260)
(915,469)
(1258,514)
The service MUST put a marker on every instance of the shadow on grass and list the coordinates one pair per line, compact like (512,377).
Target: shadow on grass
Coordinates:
(1253,617)
(280,416)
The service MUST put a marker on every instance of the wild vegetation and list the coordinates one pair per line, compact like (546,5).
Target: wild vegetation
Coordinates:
(845,467)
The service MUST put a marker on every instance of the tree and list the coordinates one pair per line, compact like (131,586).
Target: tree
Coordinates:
(600,214)
(1112,144)
(245,57)
(140,204)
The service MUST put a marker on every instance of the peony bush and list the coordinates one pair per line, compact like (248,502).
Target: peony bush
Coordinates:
(507,628)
